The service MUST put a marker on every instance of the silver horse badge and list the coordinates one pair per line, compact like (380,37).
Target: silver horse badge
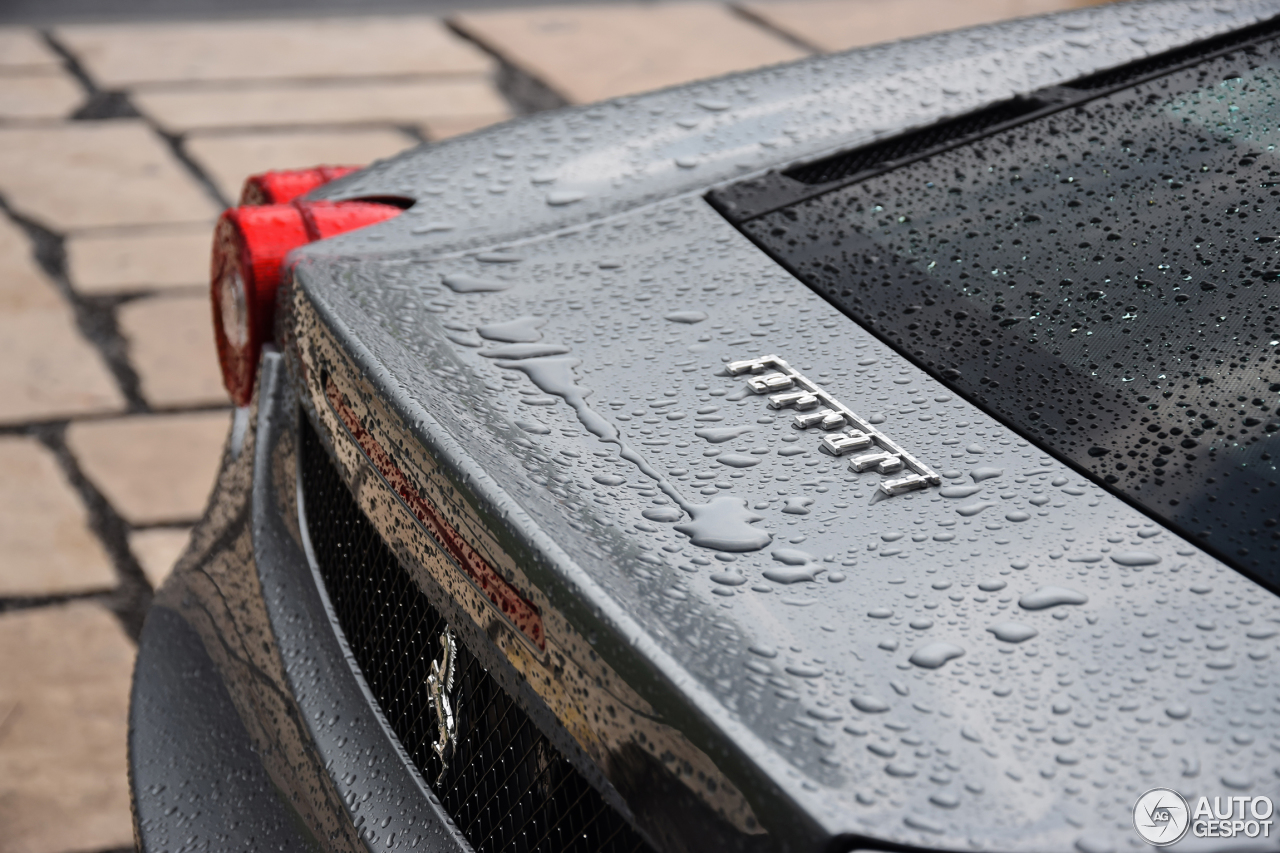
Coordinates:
(440,685)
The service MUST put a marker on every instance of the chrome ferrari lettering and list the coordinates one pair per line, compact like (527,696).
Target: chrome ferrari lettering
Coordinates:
(817,408)
(439,686)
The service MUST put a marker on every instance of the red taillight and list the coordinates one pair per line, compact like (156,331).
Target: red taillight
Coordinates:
(285,186)
(249,247)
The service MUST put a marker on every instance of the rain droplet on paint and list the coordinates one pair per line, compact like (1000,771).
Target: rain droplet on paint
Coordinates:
(1135,558)
(869,703)
(934,655)
(1013,632)
(1051,596)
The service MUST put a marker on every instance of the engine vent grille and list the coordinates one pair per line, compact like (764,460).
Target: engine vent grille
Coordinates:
(506,786)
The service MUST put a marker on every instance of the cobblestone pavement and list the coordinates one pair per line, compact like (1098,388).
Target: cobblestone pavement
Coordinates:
(119,145)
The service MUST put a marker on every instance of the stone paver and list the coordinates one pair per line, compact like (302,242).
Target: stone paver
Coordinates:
(157,549)
(587,53)
(394,103)
(23,285)
(229,158)
(154,469)
(44,537)
(23,49)
(128,55)
(64,694)
(49,94)
(100,173)
(843,24)
(171,347)
(122,261)
(47,370)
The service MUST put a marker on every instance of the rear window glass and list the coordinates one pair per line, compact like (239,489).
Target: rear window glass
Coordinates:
(1105,279)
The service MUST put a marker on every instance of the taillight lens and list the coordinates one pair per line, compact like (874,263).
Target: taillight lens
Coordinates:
(249,247)
(286,185)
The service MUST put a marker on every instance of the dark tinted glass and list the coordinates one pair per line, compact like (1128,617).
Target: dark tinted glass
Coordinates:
(1106,279)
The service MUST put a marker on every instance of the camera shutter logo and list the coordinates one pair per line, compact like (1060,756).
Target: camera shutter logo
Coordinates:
(1161,817)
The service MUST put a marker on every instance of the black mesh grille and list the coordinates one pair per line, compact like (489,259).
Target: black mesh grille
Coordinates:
(845,165)
(506,786)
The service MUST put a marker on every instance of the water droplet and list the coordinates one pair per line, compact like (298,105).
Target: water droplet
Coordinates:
(1135,558)
(1051,596)
(945,800)
(992,586)
(801,671)
(880,613)
(522,351)
(466,283)
(793,574)
(719,435)
(663,513)
(959,491)
(935,655)
(1178,711)
(791,556)
(1013,632)
(1016,516)
(797,505)
(689,317)
(560,198)
(729,578)
(869,704)
(609,479)
(985,472)
(738,460)
(533,427)
(824,714)
(724,524)
(521,330)
(969,510)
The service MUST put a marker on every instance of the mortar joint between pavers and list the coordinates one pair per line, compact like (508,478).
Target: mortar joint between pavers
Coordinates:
(107,104)
(100,104)
(752,18)
(523,91)
(130,600)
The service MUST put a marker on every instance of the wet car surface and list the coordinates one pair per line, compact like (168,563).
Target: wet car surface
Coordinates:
(543,414)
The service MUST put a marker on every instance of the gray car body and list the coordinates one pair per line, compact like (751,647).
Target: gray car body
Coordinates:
(1162,675)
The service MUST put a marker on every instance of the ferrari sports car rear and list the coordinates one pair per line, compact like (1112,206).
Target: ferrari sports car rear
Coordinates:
(875,452)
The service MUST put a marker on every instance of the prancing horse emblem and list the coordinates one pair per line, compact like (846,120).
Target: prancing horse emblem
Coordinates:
(440,685)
